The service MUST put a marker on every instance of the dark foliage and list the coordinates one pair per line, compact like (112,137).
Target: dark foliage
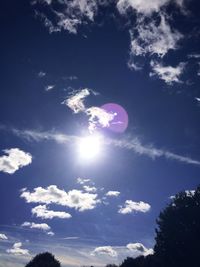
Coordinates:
(141,261)
(44,260)
(178,232)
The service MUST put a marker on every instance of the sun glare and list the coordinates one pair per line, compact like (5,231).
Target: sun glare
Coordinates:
(89,147)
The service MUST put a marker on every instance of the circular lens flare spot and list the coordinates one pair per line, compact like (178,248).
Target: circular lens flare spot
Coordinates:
(120,121)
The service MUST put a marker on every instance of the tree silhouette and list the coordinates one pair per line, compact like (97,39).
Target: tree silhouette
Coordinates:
(178,232)
(44,260)
(140,261)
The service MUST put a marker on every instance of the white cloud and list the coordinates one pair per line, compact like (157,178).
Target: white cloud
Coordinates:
(194,55)
(41,74)
(153,37)
(40,226)
(168,74)
(14,160)
(140,248)
(99,116)
(50,233)
(82,181)
(131,206)
(76,101)
(52,195)
(3,237)
(43,212)
(17,250)
(71,14)
(113,193)
(141,6)
(49,87)
(89,189)
(145,7)
(105,250)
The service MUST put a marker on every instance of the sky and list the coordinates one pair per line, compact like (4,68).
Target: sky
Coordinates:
(99,125)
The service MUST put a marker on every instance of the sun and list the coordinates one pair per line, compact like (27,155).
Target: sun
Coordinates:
(89,147)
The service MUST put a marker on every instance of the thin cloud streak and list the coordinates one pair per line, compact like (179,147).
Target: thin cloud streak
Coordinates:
(133,145)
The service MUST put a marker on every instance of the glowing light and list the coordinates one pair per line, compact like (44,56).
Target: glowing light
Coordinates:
(89,147)
(119,123)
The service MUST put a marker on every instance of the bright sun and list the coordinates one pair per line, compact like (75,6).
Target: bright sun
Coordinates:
(89,147)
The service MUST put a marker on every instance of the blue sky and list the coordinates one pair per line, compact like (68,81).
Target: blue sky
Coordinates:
(76,177)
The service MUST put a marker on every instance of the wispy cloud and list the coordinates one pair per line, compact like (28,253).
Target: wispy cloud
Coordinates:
(168,74)
(83,181)
(194,55)
(133,144)
(153,37)
(153,34)
(132,206)
(70,15)
(14,160)
(41,74)
(49,87)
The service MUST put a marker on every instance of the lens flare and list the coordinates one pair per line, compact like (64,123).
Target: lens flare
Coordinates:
(120,120)
(89,147)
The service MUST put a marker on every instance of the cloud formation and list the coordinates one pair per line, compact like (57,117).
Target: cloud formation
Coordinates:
(105,250)
(90,189)
(99,117)
(144,7)
(151,34)
(153,37)
(140,248)
(82,181)
(41,226)
(14,160)
(68,15)
(132,206)
(168,74)
(3,237)
(76,199)
(49,87)
(112,193)
(76,101)
(18,250)
(43,212)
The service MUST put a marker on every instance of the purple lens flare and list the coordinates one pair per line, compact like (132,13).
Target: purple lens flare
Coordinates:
(120,122)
